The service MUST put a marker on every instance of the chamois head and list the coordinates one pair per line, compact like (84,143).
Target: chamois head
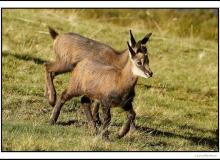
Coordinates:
(139,56)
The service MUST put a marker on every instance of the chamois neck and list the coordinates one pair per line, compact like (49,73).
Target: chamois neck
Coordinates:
(127,75)
(123,57)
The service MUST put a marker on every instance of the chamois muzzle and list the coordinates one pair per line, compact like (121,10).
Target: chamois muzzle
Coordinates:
(148,73)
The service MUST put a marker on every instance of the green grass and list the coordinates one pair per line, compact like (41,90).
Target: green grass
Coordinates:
(177,109)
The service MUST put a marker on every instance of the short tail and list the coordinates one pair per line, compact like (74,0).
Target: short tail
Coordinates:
(53,33)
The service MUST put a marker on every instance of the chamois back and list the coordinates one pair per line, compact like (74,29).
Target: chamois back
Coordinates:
(72,48)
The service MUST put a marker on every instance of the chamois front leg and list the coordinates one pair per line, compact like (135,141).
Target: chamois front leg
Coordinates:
(56,111)
(107,120)
(86,103)
(131,117)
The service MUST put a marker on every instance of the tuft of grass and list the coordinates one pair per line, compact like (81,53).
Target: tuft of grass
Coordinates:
(177,109)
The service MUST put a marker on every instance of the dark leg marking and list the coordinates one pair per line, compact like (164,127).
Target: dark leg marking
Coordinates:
(86,103)
(131,117)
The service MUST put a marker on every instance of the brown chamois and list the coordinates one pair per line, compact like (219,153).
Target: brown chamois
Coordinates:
(71,48)
(109,85)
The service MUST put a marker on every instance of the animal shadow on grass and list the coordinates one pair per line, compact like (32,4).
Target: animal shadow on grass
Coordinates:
(211,142)
(76,123)
(25,57)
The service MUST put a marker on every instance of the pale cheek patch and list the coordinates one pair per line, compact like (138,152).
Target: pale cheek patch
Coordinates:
(138,72)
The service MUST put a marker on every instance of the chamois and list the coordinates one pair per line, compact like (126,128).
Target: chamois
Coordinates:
(71,48)
(109,85)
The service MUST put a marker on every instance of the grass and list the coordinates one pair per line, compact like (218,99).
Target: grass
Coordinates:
(177,109)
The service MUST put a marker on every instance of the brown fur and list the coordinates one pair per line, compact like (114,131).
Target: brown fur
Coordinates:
(108,84)
(71,48)
(101,79)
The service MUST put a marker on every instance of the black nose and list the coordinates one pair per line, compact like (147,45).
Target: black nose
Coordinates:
(151,74)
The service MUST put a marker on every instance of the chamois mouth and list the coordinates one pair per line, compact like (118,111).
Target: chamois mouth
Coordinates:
(148,74)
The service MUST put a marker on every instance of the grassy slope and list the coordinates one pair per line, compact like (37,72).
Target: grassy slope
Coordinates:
(176,110)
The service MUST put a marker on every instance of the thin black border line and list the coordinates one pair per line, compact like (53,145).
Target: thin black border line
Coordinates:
(108,151)
(218,82)
(111,8)
(1,82)
(116,0)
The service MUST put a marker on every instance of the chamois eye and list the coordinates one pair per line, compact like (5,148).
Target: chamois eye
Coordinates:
(139,63)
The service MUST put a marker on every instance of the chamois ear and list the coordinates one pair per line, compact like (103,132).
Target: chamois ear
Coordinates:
(133,42)
(146,38)
(131,50)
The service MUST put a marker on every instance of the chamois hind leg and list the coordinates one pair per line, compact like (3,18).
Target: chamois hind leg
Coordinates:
(86,103)
(52,69)
(66,95)
(107,120)
(49,92)
(131,117)
(95,112)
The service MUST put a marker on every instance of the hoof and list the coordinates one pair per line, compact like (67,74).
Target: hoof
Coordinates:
(52,99)
(98,122)
(52,103)
(133,128)
(105,136)
(119,136)
(52,122)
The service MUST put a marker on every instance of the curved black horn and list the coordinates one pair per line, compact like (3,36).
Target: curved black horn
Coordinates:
(131,50)
(146,38)
(133,42)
